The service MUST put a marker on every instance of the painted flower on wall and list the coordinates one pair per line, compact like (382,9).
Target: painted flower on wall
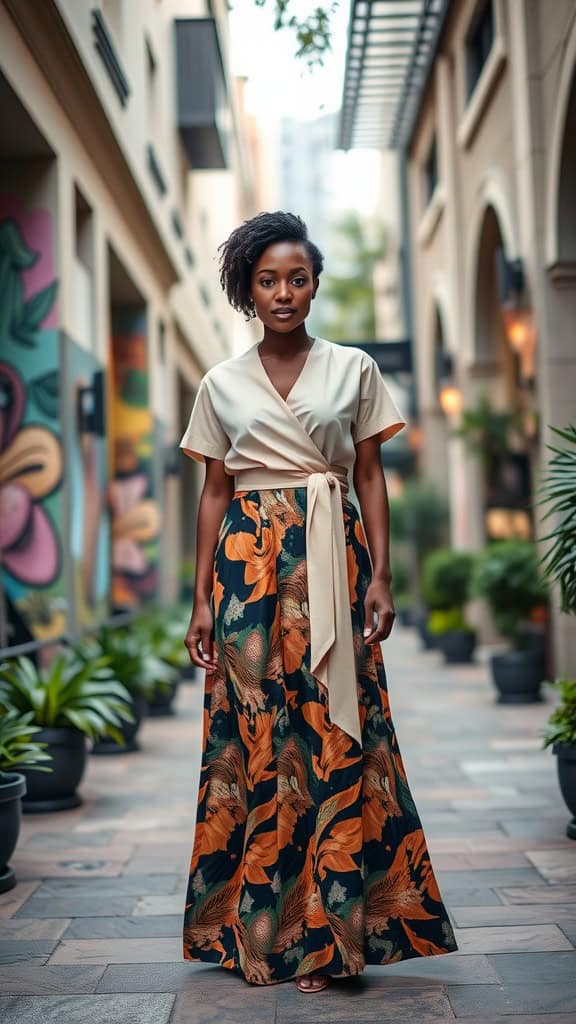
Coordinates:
(135,522)
(30,469)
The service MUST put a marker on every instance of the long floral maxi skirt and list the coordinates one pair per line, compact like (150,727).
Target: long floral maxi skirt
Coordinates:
(309,854)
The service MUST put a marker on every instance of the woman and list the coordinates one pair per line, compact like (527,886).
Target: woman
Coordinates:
(309,858)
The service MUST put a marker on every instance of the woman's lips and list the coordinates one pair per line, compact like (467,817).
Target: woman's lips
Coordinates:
(283,314)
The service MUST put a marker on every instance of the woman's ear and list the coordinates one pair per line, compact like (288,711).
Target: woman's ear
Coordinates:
(315,287)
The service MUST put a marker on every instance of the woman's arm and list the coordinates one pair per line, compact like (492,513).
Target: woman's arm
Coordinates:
(370,486)
(215,498)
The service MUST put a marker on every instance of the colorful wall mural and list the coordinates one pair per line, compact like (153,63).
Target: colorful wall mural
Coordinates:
(31,464)
(87,475)
(134,508)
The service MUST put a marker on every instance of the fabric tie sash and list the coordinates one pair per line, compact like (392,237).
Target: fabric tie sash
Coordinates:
(331,641)
(332,659)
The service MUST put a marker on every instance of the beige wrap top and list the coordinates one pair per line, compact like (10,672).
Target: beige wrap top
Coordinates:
(308,440)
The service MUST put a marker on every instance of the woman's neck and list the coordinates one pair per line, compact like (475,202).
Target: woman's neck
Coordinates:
(280,344)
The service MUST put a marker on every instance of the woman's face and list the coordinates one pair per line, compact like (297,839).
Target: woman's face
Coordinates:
(282,286)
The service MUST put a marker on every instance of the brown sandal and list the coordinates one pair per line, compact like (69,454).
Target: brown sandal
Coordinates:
(314,987)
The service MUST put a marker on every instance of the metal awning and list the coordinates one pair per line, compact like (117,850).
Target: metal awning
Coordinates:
(391,44)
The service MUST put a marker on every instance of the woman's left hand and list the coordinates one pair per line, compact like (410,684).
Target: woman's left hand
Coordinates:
(378,603)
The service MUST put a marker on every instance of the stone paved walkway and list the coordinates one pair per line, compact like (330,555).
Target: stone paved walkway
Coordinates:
(92,930)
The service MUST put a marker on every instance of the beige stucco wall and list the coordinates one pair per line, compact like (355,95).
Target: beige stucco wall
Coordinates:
(100,147)
(500,150)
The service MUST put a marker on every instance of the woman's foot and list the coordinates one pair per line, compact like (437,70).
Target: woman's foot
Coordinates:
(312,982)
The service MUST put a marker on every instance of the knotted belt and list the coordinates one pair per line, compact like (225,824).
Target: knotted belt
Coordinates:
(332,659)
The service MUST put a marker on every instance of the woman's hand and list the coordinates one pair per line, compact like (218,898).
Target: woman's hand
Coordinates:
(199,638)
(378,602)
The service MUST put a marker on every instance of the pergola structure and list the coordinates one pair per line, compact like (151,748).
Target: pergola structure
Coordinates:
(391,45)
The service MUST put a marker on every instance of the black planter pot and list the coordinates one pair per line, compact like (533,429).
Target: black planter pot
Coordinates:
(129,730)
(517,676)
(420,621)
(188,673)
(566,754)
(56,790)
(161,702)
(405,616)
(532,637)
(457,645)
(12,789)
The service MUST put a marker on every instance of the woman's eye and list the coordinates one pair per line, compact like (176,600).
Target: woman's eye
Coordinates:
(299,281)
(265,281)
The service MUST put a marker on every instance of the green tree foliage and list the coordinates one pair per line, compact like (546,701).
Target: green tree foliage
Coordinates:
(558,491)
(313,33)
(350,293)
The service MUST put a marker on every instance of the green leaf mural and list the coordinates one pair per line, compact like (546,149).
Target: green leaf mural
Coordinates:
(20,319)
(46,392)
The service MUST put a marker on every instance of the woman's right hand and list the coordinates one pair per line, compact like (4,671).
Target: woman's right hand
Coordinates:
(199,638)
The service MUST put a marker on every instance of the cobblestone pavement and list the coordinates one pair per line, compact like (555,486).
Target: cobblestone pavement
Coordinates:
(92,930)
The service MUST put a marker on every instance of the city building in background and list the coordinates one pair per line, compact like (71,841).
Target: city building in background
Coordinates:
(123,164)
(305,152)
(478,98)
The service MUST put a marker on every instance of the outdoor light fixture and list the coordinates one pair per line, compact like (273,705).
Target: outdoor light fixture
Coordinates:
(450,400)
(90,417)
(449,395)
(517,313)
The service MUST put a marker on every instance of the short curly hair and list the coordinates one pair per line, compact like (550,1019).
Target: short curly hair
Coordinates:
(243,248)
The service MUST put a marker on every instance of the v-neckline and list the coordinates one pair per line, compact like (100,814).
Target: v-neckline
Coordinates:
(297,381)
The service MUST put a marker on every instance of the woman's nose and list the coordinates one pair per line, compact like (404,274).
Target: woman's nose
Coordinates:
(283,290)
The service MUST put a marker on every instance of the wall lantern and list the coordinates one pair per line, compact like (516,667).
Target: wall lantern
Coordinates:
(451,400)
(517,312)
(449,395)
(90,416)
(173,460)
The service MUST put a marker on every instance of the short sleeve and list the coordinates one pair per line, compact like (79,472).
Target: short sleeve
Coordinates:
(204,435)
(378,414)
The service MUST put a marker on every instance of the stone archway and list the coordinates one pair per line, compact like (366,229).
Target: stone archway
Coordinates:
(493,362)
(499,479)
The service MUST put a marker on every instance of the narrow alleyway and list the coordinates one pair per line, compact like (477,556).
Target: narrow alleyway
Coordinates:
(92,931)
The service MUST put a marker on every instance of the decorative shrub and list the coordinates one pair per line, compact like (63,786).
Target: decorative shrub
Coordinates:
(558,490)
(448,621)
(17,748)
(73,692)
(508,575)
(561,727)
(446,578)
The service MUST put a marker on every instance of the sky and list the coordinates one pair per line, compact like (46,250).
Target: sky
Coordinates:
(279,85)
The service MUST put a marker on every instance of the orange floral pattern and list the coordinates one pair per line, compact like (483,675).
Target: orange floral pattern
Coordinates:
(309,854)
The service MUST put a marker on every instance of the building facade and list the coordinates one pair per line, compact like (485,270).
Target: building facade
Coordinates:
(123,165)
(480,98)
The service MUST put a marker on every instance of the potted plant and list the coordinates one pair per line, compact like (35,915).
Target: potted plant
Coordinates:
(418,523)
(187,577)
(403,601)
(70,700)
(17,751)
(162,636)
(486,431)
(558,491)
(507,575)
(453,635)
(561,736)
(446,579)
(140,671)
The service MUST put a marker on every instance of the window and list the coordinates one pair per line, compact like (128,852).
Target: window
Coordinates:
(112,11)
(84,306)
(151,89)
(479,42)
(431,170)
